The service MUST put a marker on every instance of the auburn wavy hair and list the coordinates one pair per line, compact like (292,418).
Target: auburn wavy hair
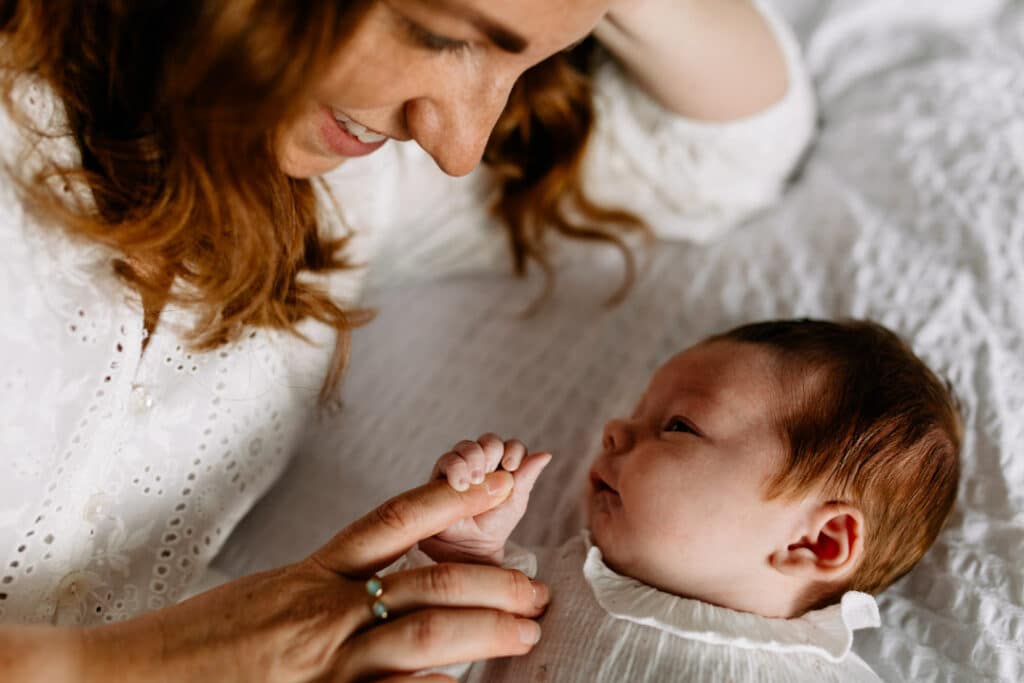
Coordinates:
(173,107)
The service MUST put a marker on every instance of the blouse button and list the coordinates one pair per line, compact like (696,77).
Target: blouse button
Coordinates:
(94,508)
(140,400)
(70,596)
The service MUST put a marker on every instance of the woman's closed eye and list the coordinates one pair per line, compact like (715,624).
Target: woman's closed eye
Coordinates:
(681,424)
(431,41)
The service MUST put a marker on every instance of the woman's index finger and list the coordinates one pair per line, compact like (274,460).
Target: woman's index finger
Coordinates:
(377,539)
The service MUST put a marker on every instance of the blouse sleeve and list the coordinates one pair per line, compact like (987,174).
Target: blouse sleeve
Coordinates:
(693,180)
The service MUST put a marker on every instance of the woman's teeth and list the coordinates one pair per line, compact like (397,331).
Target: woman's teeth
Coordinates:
(358,131)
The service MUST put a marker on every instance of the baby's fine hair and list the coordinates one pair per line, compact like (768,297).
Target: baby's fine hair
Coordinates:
(869,424)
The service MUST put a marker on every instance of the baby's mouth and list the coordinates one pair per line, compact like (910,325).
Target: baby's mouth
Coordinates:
(599,485)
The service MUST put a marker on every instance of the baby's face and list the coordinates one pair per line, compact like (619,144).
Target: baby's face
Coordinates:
(676,497)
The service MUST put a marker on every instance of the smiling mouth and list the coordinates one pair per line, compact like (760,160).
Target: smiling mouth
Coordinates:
(356,129)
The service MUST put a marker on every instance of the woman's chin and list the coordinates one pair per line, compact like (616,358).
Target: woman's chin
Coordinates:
(300,154)
(301,164)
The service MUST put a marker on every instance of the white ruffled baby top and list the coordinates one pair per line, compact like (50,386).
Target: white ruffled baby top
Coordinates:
(605,627)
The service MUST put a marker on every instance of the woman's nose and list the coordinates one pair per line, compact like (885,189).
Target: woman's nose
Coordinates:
(617,436)
(454,127)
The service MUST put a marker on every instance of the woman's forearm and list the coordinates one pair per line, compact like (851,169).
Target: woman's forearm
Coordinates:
(40,653)
(128,651)
(713,60)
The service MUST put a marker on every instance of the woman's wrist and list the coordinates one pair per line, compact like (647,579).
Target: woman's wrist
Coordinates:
(41,653)
(211,636)
(126,651)
(77,655)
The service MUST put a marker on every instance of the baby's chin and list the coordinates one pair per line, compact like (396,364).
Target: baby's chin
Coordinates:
(612,555)
(621,559)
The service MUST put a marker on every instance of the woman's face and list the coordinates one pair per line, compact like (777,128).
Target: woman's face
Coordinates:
(435,71)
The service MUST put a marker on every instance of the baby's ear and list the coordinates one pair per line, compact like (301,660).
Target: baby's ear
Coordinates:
(828,546)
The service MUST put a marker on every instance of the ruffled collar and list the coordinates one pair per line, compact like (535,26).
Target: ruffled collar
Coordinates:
(826,632)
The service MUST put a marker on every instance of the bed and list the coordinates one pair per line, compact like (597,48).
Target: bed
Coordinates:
(907,210)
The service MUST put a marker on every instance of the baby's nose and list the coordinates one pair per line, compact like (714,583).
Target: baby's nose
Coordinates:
(616,436)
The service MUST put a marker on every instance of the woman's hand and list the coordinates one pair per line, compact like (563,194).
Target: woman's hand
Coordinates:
(312,621)
(713,60)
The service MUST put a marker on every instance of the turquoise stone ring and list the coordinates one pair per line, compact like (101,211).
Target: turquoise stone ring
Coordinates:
(375,589)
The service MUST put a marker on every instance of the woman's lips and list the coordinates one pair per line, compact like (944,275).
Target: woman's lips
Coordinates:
(337,138)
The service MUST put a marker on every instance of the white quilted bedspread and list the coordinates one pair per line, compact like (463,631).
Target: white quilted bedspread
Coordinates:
(909,210)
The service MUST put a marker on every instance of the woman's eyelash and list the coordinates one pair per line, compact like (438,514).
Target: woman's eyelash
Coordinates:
(432,41)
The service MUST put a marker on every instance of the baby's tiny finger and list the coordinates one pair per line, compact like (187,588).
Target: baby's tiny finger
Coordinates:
(515,451)
(473,454)
(527,476)
(493,448)
(453,467)
(530,470)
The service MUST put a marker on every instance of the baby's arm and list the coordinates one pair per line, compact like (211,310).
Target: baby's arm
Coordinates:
(482,539)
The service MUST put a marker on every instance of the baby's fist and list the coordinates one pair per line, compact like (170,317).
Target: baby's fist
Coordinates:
(469,461)
(482,538)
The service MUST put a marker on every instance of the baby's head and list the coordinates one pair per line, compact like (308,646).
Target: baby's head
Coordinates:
(771,468)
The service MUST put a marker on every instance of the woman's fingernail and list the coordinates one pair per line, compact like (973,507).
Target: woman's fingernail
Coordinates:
(477,476)
(529,632)
(498,483)
(541,595)
(461,484)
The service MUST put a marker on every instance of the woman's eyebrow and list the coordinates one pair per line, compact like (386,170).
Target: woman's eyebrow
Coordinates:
(505,38)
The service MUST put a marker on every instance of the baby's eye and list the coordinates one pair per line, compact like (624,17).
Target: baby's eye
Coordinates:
(678,424)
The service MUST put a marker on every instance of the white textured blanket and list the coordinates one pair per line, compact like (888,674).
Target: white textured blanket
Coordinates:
(909,210)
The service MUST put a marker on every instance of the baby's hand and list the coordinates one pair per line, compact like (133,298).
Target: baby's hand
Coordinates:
(482,538)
